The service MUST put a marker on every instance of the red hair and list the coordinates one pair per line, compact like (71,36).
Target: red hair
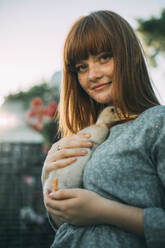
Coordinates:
(103,31)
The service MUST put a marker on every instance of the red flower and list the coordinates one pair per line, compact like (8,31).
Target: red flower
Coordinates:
(38,114)
(36,102)
(51,109)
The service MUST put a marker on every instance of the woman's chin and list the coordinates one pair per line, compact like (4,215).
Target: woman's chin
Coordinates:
(103,100)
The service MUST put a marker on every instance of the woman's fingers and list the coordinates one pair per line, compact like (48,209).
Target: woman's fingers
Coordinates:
(66,153)
(81,142)
(70,146)
(74,141)
(59,164)
(53,206)
(49,204)
(66,150)
(62,158)
(84,135)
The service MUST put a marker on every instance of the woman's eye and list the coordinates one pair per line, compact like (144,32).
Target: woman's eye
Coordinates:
(81,68)
(105,58)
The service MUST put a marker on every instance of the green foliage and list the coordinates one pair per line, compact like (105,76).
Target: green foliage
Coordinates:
(49,132)
(42,90)
(153,34)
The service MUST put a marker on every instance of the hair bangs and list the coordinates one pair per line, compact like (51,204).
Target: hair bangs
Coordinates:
(88,37)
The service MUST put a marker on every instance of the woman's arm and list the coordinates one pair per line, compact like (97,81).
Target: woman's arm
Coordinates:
(124,216)
(57,159)
(83,207)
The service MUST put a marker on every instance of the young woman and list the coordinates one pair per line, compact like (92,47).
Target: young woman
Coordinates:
(122,203)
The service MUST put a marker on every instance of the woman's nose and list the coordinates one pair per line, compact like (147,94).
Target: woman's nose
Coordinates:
(94,72)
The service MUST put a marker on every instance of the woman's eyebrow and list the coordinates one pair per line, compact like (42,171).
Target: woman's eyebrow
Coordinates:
(80,62)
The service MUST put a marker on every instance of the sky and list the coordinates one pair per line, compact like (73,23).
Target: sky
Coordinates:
(32,34)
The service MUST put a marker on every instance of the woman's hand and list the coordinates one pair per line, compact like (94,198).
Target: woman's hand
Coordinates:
(64,153)
(84,207)
(75,206)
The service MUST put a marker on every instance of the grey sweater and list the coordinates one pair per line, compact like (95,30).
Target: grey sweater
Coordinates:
(129,167)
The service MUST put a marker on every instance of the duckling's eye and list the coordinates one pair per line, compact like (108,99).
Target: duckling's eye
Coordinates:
(112,110)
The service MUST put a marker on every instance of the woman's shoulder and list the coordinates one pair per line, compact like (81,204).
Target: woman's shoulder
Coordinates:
(151,121)
(153,113)
(146,121)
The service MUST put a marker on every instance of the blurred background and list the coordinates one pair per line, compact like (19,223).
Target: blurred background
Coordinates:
(32,34)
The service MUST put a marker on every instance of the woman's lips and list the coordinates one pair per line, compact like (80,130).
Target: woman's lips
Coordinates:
(101,86)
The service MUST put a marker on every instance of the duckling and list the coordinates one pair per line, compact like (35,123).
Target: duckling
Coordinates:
(71,176)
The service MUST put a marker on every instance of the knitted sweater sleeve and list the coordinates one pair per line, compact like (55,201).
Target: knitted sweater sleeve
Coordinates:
(154,217)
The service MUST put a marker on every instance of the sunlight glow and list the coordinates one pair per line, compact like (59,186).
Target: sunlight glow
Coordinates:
(7,121)
(1,100)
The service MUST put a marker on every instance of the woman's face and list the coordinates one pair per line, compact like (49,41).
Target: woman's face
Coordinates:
(95,77)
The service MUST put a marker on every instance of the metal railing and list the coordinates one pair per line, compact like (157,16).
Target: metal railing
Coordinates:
(23,221)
